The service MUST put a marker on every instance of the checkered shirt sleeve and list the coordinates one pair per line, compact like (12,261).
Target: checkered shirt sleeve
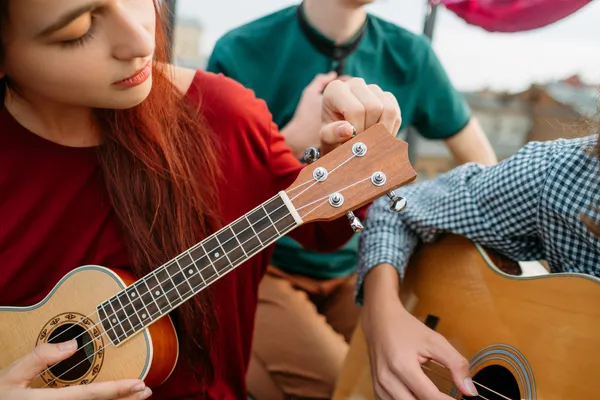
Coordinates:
(497,207)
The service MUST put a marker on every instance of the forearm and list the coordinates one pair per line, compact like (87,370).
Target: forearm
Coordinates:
(387,240)
(471,145)
(381,284)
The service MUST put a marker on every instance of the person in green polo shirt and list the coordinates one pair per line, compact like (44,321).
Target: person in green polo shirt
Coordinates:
(306,312)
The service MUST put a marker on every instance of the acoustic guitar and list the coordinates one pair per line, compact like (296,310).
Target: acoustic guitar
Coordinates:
(122,325)
(535,337)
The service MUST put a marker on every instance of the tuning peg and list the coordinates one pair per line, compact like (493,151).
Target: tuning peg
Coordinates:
(311,155)
(355,223)
(397,203)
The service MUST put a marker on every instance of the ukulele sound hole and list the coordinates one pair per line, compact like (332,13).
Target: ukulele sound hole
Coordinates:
(496,383)
(78,365)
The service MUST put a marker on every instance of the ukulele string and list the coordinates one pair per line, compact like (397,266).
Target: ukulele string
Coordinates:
(326,197)
(128,331)
(170,262)
(200,244)
(445,377)
(206,255)
(312,180)
(153,273)
(130,303)
(290,190)
(317,182)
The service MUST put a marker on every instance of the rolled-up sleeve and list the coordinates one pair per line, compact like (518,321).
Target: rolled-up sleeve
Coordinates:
(495,206)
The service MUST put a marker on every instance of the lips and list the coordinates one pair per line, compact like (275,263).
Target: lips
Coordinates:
(138,77)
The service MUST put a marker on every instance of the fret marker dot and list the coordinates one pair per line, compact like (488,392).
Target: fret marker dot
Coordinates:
(191,271)
(144,316)
(157,292)
(132,294)
(114,320)
(216,254)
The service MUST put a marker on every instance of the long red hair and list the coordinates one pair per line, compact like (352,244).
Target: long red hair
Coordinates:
(159,162)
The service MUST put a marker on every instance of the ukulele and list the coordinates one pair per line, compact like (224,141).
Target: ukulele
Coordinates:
(122,324)
(526,338)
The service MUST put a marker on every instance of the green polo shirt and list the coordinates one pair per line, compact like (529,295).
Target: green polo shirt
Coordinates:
(273,57)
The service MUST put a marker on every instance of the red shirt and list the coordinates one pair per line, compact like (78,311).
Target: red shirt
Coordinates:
(54,217)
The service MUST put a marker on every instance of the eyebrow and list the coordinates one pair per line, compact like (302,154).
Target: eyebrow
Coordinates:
(69,17)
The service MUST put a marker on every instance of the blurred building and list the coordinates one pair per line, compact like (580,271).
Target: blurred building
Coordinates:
(560,109)
(187,43)
(549,111)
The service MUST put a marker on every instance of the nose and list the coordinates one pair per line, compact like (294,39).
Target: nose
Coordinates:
(131,37)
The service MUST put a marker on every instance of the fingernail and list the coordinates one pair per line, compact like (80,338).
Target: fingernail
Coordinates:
(470,386)
(146,393)
(344,129)
(68,346)
(139,387)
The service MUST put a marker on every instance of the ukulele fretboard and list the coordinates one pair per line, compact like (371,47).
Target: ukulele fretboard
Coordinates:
(167,287)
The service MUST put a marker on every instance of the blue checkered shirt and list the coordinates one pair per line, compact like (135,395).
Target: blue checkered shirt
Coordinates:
(527,207)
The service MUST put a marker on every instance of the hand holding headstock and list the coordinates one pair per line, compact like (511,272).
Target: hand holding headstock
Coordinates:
(366,167)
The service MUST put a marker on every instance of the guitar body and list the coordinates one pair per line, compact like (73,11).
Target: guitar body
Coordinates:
(150,355)
(526,338)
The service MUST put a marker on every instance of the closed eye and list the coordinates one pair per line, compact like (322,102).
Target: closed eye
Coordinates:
(80,41)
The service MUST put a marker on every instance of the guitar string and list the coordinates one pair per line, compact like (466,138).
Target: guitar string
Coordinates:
(445,377)
(170,262)
(200,244)
(477,383)
(127,332)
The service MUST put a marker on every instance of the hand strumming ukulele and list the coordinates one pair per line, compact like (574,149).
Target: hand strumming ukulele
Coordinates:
(122,324)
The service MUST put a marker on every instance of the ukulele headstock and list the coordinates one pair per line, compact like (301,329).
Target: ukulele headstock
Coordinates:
(364,168)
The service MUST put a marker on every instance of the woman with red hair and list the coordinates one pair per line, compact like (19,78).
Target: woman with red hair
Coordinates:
(110,156)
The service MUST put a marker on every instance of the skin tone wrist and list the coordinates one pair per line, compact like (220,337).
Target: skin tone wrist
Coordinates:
(381,285)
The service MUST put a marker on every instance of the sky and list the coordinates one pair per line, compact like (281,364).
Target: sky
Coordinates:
(474,59)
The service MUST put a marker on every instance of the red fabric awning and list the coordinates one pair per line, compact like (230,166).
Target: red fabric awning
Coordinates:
(513,15)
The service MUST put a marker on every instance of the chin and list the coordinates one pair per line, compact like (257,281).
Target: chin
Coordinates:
(131,97)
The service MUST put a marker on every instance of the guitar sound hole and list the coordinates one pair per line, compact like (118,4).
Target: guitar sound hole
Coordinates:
(500,380)
(76,366)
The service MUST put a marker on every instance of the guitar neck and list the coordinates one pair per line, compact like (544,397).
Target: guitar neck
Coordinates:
(178,280)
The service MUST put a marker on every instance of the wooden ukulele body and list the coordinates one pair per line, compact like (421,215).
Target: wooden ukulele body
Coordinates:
(150,355)
(525,337)
(364,168)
